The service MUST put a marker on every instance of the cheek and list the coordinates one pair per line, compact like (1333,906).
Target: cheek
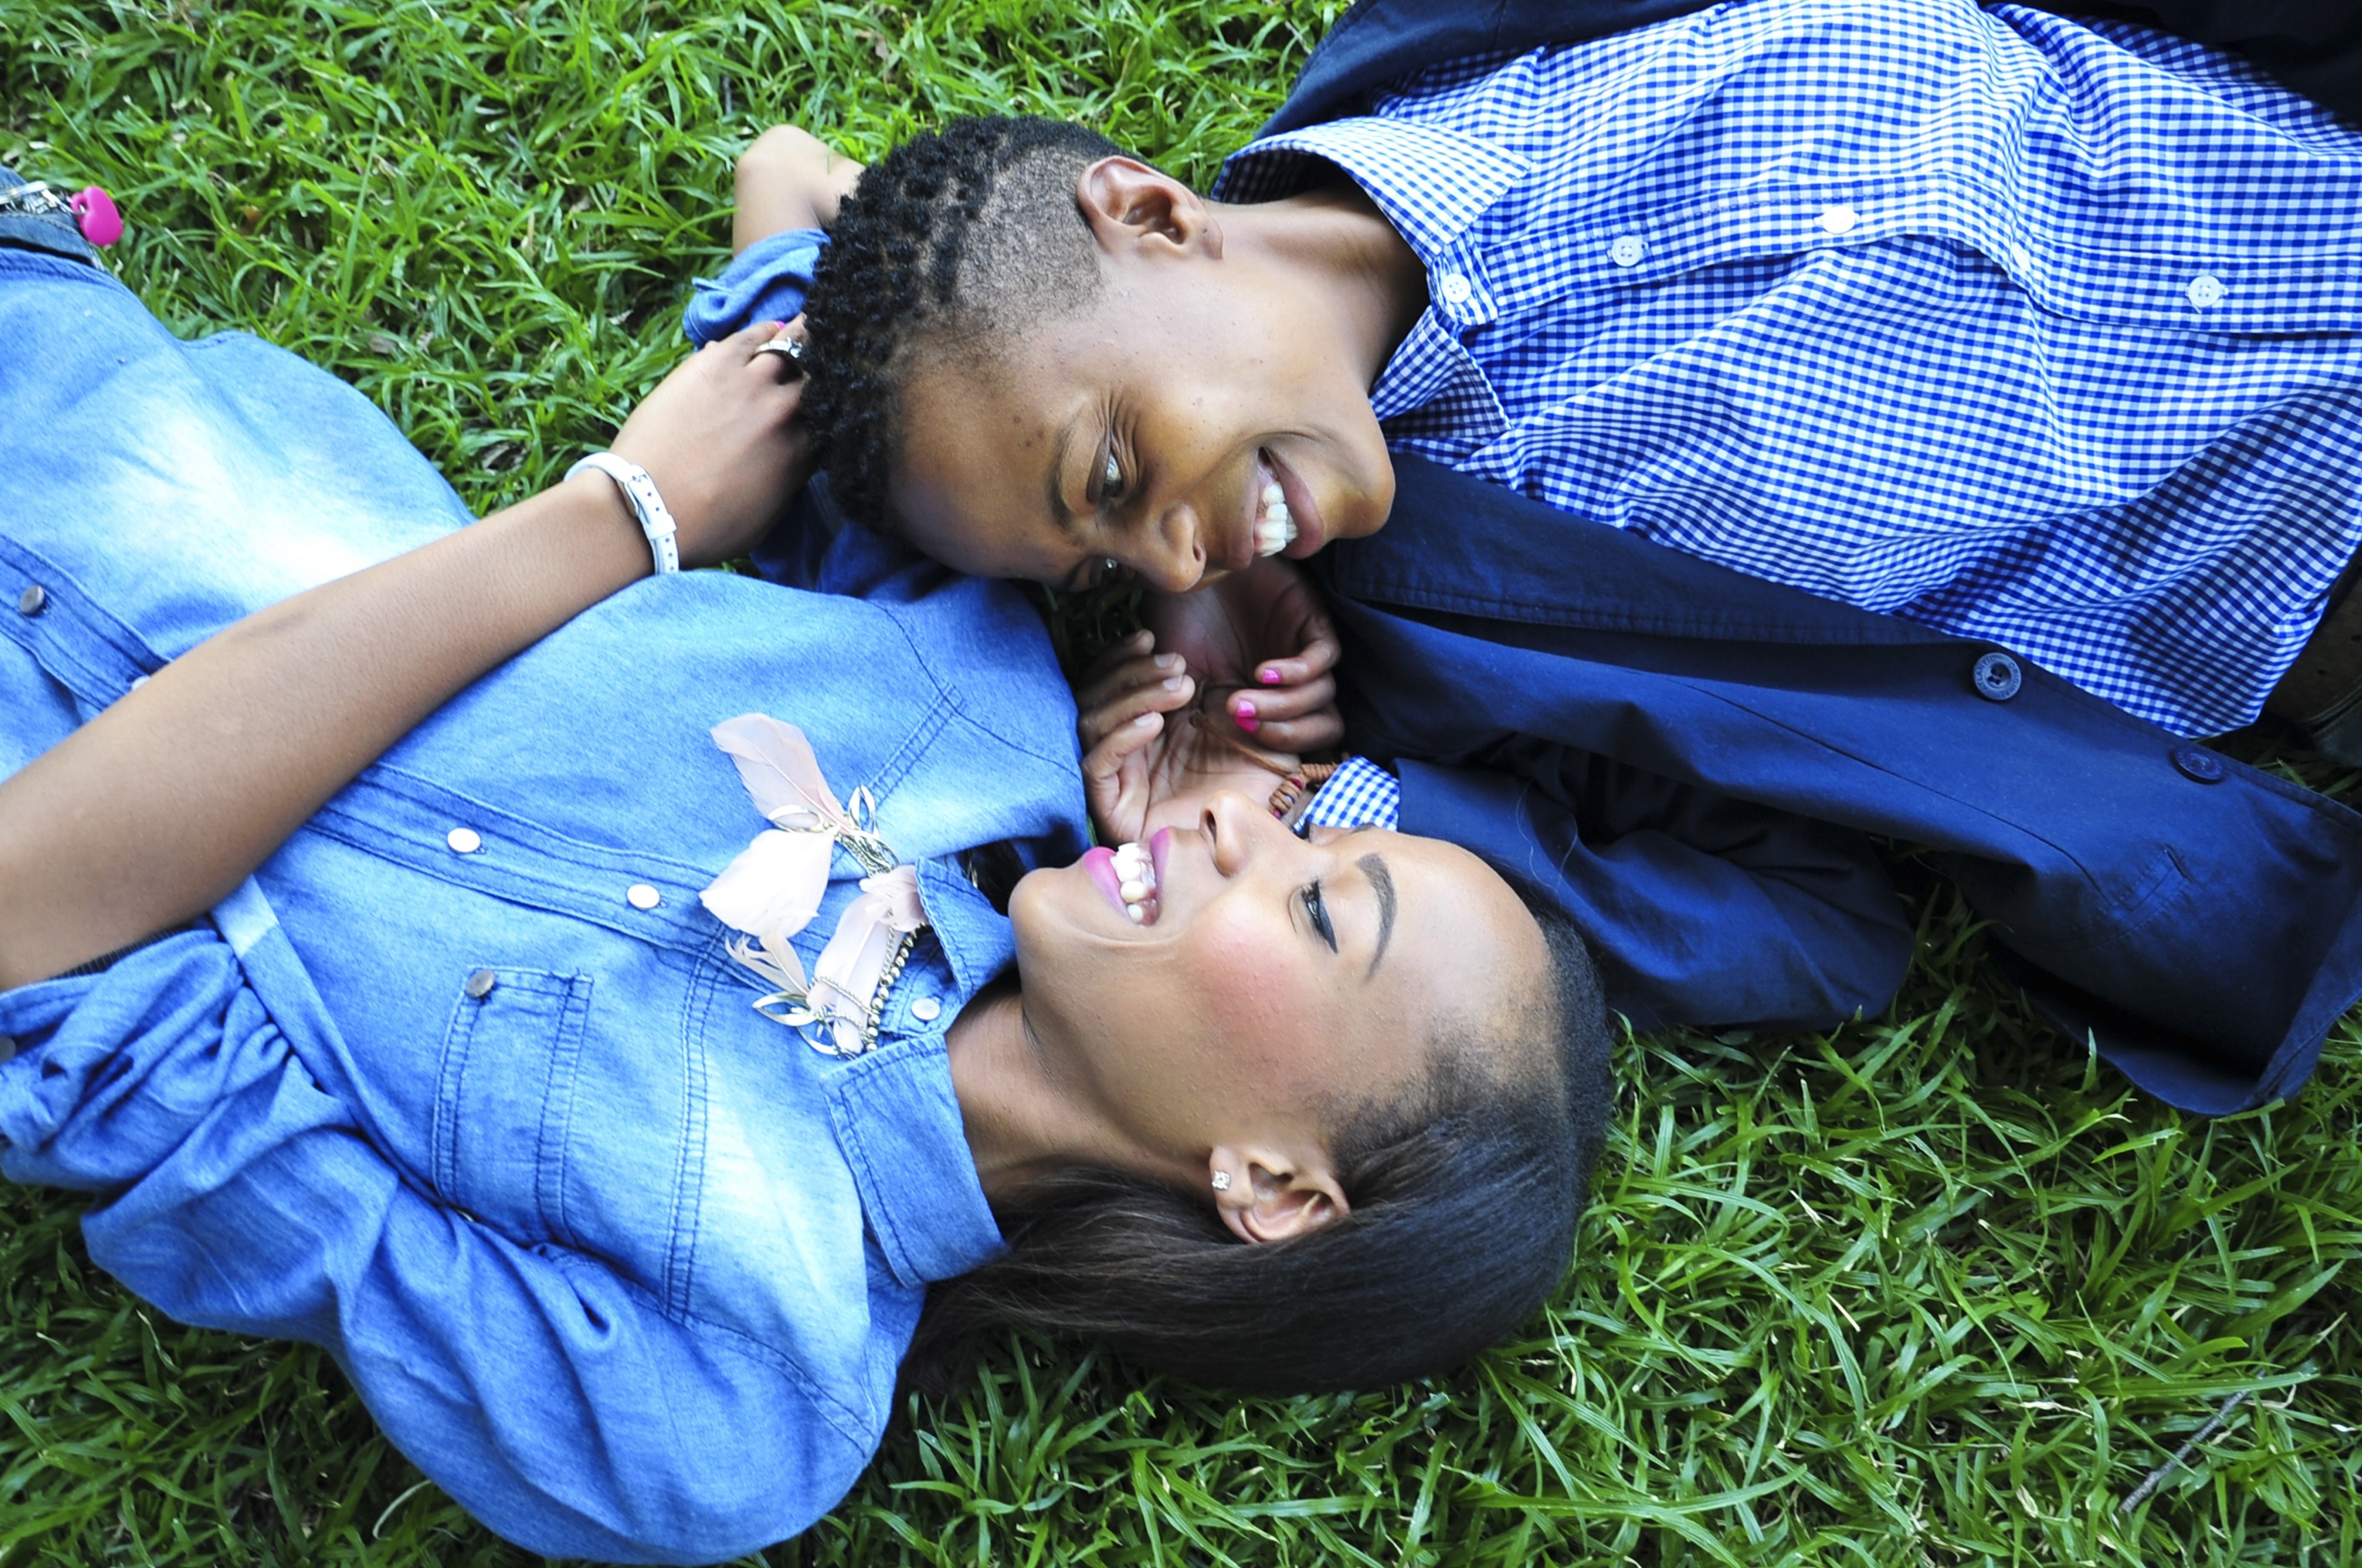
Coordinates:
(1258,997)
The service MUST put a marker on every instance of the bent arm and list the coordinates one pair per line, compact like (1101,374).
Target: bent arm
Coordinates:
(156,810)
(788,178)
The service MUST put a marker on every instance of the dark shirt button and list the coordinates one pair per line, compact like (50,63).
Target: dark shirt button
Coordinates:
(33,601)
(2197,762)
(481,984)
(1997,677)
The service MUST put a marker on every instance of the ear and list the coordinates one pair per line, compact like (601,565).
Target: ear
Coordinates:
(1271,1197)
(1130,206)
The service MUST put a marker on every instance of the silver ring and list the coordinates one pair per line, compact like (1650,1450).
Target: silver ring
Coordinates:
(786,348)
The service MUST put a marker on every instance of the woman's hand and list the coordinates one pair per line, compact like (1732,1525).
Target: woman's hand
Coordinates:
(1263,640)
(1153,755)
(719,437)
(788,178)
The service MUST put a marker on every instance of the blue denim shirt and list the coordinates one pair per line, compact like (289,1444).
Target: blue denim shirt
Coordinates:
(623,1266)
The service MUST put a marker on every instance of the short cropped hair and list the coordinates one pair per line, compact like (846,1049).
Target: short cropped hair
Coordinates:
(950,245)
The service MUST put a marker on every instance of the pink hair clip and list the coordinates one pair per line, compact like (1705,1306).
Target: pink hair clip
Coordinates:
(95,212)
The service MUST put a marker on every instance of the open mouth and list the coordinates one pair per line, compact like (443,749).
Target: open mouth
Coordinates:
(1130,874)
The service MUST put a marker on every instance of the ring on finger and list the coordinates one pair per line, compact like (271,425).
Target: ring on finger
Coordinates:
(786,348)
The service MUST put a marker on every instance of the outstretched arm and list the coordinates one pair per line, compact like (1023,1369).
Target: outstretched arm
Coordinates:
(156,810)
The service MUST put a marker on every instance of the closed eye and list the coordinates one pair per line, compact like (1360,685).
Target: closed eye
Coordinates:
(1315,909)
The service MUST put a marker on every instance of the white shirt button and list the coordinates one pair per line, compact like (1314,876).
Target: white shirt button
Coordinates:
(464,841)
(1627,251)
(138,681)
(640,896)
(1457,288)
(1839,220)
(926,1009)
(2204,289)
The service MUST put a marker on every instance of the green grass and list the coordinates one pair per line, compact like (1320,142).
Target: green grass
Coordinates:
(1931,1290)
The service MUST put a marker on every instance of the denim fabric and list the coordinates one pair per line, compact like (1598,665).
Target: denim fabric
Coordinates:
(766,282)
(625,1266)
(51,232)
(1691,763)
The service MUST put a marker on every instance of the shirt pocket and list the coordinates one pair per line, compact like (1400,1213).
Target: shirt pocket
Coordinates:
(504,1099)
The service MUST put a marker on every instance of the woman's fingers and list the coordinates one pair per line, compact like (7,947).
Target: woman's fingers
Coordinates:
(1146,688)
(1318,657)
(1115,777)
(1301,718)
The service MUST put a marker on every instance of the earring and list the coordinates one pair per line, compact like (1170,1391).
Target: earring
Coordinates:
(1221,1181)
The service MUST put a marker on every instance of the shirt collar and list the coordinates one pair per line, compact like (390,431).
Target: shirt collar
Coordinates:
(898,1122)
(1431,183)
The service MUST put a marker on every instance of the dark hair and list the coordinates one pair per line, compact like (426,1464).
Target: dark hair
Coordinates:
(1464,1199)
(958,238)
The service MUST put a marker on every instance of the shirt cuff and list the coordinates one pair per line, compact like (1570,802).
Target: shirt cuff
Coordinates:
(767,282)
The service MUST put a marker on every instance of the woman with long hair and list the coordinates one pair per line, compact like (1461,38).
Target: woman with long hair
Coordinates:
(615,1010)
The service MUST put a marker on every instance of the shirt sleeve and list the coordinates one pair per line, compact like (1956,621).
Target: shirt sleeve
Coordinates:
(555,1400)
(1702,909)
(766,282)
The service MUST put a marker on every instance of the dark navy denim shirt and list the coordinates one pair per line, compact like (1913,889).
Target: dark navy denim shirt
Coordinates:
(623,1266)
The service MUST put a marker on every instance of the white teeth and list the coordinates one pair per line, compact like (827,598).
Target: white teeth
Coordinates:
(1273,495)
(1275,531)
(1136,879)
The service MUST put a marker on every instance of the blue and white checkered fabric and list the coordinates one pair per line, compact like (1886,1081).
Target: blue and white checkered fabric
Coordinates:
(2031,330)
(1359,794)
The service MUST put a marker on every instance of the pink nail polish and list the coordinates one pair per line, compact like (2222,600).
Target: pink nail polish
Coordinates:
(1245,714)
(1269,677)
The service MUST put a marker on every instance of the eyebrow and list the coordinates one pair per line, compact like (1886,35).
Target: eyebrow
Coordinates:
(1384,882)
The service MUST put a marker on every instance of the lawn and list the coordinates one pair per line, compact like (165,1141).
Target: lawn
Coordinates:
(1933,1288)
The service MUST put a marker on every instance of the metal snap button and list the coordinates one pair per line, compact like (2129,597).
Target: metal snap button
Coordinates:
(479,984)
(2196,762)
(926,1009)
(33,601)
(1997,676)
(640,896)
(464,841)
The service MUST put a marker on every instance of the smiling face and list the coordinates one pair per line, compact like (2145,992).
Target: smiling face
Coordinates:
(1209,379)
(1279,984)
(1144,438)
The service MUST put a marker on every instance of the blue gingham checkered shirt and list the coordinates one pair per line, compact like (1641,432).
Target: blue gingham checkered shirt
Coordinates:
(1359,794)
(2025,328)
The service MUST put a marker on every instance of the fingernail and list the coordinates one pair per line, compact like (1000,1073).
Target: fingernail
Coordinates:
(1169,660)
(1268,677)
(1245,713)
(1174,682)
(776,325)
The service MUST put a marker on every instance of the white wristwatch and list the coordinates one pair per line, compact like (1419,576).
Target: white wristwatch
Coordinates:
(641,495)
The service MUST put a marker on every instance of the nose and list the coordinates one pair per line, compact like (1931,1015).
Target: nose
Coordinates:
(1173,560)
(1240,828)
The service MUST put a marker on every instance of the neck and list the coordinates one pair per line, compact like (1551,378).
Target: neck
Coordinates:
(1335,238)
(1024,1120)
